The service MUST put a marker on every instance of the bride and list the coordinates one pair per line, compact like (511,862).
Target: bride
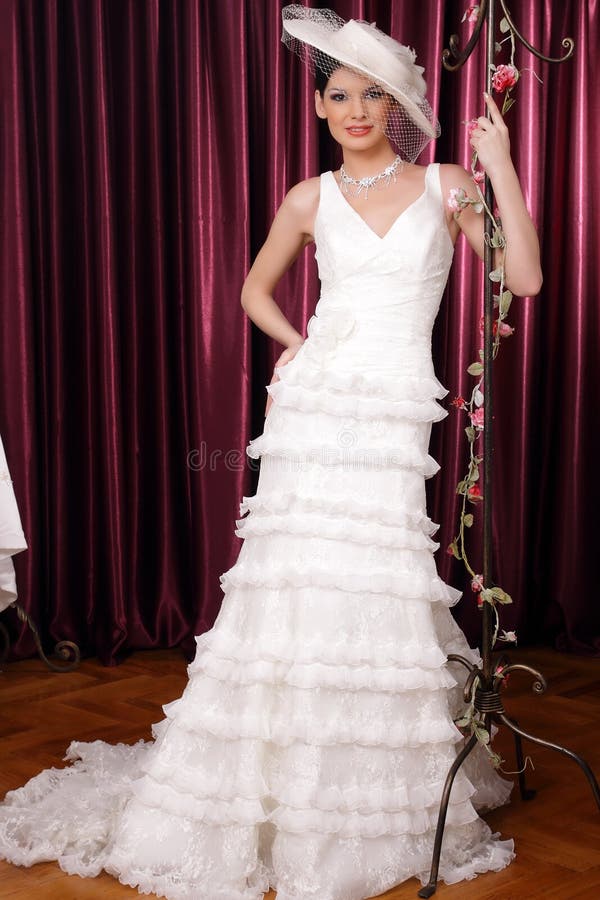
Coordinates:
(309,748)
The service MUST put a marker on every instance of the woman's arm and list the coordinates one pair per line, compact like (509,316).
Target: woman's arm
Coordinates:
(523,273)
(290,232)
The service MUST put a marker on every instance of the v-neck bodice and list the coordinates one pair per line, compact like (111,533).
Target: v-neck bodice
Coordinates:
(383,237)
(386,290)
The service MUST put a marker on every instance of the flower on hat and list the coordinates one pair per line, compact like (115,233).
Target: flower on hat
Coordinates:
(322,39)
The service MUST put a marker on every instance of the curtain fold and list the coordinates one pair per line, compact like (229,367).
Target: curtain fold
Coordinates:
(144,151)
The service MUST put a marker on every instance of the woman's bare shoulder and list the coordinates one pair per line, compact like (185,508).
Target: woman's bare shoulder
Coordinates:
(453,175)
(304,195)
(302,202)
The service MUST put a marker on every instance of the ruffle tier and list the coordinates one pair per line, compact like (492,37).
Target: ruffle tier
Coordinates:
(309,399)
(343,529)
(399,387)
(336,507)
(326,416)
(295,820)
(402,585)
(283,714)
(327,451)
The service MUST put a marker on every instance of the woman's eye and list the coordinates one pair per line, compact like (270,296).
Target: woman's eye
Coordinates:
(374,94)
(338,97)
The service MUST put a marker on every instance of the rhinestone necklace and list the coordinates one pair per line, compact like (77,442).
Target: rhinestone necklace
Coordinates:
(356,186)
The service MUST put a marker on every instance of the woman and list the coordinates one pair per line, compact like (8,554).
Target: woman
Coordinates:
(310,746)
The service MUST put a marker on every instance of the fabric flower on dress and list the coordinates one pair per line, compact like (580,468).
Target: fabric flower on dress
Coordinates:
(326,331)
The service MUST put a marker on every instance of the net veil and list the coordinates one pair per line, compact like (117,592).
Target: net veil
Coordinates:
(392,87)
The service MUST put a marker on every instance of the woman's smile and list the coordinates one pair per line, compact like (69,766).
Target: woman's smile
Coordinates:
(359,130)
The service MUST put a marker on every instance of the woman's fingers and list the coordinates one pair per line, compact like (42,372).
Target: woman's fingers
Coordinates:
(274,378)
(497,118)
(287,355)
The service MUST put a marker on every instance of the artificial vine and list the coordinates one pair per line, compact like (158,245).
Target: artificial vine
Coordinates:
(504,78)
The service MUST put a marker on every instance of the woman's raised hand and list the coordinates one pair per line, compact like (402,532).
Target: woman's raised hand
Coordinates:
(491,139)
(287,355)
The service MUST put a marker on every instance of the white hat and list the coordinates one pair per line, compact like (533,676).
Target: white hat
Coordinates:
(324,41)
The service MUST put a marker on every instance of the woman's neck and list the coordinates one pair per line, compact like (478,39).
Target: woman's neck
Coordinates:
(363,163)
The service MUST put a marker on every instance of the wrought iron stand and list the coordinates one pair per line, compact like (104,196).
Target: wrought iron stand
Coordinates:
(485,680)
(66,650)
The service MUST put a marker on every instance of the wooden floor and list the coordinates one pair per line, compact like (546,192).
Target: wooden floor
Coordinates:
(557,835)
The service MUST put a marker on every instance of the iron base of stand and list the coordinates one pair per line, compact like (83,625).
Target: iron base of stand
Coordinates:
(488,703)
(66,650)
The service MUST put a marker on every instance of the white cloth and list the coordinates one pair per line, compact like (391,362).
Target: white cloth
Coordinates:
(309,748)
(12,539)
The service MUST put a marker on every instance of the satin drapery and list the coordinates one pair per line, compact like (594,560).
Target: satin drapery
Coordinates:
(145,149)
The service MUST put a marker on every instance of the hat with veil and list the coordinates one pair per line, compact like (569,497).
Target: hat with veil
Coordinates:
(326,43)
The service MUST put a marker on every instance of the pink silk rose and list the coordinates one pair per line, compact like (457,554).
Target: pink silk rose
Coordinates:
(477,418)
(477,583)
(474,493)
(505,76)
(471,125)
(470,15)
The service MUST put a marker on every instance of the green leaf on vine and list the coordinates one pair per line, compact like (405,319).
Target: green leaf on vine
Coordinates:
(505,302)
(462,723)
(453,549)
(497,240)
(500,595)
(470,433)
(475,368)
(496,275)
(468,520)
(483,734)
(504,26)
(495,758)
(508,102)
(477,207)
(486,596)
(474,474)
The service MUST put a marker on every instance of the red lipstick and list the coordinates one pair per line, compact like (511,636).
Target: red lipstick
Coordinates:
(359,130)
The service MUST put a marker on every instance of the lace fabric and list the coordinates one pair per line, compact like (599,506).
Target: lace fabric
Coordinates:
(309,749)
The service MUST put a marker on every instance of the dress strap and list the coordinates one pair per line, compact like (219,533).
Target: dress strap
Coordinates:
(432,180)
(434,183)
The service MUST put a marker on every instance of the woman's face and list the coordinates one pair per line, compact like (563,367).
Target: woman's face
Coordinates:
(356,109)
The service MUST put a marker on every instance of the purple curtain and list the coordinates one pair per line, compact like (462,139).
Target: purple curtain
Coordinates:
(145,147)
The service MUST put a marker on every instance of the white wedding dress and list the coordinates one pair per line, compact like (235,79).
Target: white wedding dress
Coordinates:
(309,749)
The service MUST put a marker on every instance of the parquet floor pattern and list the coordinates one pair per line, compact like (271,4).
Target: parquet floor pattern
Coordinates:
(557,835)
